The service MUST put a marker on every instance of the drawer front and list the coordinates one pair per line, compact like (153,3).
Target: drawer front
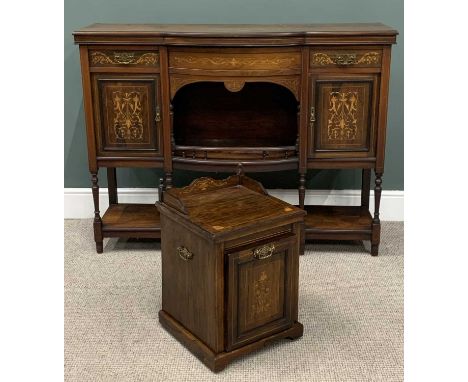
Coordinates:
(249,240)
(354,58)
(342,116)
(260,289)
(127,114)
(235,60)
(123,58)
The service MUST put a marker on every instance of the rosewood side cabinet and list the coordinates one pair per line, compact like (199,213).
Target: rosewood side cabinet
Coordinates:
(230,268)
(224,97)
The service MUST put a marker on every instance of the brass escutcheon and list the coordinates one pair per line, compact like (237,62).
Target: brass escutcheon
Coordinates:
(158,114)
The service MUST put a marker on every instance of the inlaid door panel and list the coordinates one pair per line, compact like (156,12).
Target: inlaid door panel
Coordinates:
(342,116)
(259,292)
(128,114)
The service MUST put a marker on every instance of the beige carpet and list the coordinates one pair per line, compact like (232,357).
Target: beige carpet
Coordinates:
(351,305)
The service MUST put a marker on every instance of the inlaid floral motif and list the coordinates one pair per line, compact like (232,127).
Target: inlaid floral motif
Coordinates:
(342,118)
(262,295)
(128,116)
(368,58)
(124,58)
(233,62)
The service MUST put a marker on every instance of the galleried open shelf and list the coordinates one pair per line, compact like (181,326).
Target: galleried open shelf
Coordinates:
(261,114)
(255,121)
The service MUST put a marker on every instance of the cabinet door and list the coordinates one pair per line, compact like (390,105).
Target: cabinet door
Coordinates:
(260,288)
(128,116)
(343,116)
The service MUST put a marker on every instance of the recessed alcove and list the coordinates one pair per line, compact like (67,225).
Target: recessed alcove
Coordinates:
(249,115)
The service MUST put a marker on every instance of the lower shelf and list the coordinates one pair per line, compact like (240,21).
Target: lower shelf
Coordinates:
(321,222)
(338,223)
(131,220)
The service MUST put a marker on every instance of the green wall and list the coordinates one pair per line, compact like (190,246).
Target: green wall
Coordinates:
(79,13)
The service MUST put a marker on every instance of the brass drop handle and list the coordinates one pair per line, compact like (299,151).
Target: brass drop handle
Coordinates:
(312,117)
(264,251)
(124,58)
(184,253)
(158,114)
(345,59)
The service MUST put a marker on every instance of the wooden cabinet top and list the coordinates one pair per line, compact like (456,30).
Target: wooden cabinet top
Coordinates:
(375,32)
(222,206)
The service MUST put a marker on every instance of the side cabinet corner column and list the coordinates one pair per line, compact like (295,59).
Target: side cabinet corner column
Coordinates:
(303,125)
(166,117)
(97,224)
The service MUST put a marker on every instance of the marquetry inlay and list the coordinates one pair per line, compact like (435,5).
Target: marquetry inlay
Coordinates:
(271,61)
(128,115)
(292,83)
(124,58)
(323,59)
(234,85)
(262,295)
(342,117)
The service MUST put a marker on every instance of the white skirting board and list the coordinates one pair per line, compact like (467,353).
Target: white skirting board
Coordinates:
(79,201)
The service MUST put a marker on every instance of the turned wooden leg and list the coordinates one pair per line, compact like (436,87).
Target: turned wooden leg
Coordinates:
(365,188)
(160,189)
(97,224)
(376,221)
(112,185)
(302,182)
(168,182)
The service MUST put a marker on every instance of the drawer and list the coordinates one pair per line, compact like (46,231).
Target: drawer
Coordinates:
(248,240)
(235,60)
(355,58)
(260,291)
(123,58)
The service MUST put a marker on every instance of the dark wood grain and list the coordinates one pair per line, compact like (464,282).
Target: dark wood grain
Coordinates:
(258,115)
(236,30)
(337,218)
(213,97)
(365,188)
(218,212)
(134,219)
(112,185)
(218,361)
(225,289)
(97,223)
